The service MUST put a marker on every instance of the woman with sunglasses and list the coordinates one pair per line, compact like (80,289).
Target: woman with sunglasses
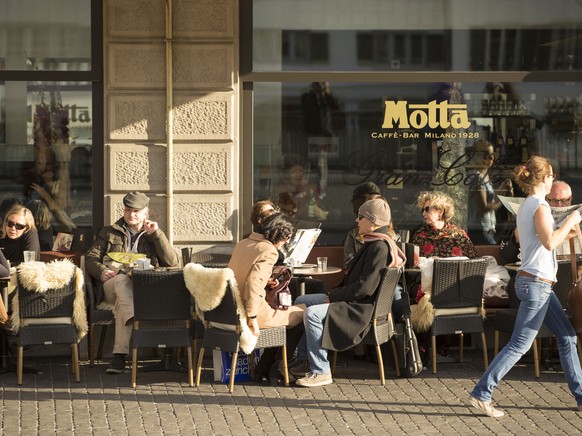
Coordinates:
(437,236)
(538,237)
(482,199)
(19,234)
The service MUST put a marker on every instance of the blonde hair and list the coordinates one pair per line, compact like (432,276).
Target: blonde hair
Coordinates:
(532,173)
(22,211)
(439,201)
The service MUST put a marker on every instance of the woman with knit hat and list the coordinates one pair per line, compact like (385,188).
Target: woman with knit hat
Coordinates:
(340,320)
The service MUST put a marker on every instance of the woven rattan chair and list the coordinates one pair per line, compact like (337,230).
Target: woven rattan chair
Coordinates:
(457,297)
(504,320)
(209,260)
(162,312)
(382,325)
(46,316)
(95,316)
(224,339)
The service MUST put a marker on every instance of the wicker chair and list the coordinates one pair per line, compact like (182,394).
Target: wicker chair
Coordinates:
(162,312)
(209,260)
(95,315)
(46,318)
(382,326)
(504,320)
(217,338)
(457,297)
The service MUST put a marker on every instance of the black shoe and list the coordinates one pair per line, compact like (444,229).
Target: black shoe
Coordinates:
(117,365)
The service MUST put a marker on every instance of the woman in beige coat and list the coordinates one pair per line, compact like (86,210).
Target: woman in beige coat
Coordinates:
(252,262)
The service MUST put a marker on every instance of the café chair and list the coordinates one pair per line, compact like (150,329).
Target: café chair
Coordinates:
(209,260)
(382,327)
(162,312)
(219,304)
(49,308)
(504,320)
(457,299)
(97,314)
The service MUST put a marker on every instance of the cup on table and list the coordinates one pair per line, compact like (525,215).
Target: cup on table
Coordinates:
(322,263)
(29,255)
(144,263)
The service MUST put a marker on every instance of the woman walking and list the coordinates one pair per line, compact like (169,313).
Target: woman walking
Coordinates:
(533,286)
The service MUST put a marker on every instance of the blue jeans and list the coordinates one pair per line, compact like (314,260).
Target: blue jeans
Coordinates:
(538,304)
(314,320)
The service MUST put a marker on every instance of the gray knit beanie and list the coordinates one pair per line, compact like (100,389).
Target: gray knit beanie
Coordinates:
(377,211)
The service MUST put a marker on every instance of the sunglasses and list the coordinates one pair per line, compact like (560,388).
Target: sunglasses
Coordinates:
(488,156)
(427,209)
(17,226)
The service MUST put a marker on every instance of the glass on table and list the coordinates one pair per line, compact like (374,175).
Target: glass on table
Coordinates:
(322,263)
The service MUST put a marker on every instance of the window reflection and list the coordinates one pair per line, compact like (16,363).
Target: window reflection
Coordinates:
(45,152)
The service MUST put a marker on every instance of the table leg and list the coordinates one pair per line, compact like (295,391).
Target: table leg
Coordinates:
(168,363)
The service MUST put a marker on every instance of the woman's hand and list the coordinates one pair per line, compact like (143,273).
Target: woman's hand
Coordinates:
(272,283)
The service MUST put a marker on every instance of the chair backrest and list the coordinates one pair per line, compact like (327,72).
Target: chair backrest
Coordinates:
(52,303)
(225,312)
(160,295)
(564,284)
(210,260)
(458,283)
(385,293)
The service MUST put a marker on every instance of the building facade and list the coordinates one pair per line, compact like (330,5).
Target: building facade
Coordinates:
(209,105)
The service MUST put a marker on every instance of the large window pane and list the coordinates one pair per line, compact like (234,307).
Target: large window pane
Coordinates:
(53,35)
(445,35)
(316,142)
(45,148)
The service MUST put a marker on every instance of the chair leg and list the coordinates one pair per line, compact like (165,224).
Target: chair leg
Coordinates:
(199,365)
(333,361)
(90,344)
(434,353)
(395,353)
(461,349)
(134,369)
(233,371)
(19,364)
(496,343)
(484,345)
(101,341)
(536,359)
(285,369)
(380,365)
(75,356)
(190,369)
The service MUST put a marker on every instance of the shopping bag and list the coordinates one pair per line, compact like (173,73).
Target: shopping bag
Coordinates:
(222,366)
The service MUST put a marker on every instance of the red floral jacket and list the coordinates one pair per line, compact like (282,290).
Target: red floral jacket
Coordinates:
(450,241)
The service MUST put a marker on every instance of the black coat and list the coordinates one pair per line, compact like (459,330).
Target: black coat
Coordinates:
(352,303)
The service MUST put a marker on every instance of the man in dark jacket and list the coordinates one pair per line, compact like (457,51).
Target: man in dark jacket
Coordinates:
(133,233)
(342,319)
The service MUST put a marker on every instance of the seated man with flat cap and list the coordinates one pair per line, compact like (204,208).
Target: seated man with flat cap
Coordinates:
(133,233)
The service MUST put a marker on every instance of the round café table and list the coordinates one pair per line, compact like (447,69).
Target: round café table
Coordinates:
(303,272)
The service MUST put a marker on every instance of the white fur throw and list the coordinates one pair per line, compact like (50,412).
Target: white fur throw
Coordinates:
(208,287)
(40,277)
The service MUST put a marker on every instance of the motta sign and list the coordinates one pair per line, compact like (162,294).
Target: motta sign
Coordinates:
(433,115)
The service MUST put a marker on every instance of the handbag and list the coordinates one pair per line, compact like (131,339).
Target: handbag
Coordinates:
(279,297)
(575,295)
(410,361)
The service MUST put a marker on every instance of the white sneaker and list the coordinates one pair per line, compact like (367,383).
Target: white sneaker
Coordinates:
(312,380)
(486,407)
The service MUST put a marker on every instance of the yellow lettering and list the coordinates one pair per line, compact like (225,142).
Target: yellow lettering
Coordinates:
(395,112)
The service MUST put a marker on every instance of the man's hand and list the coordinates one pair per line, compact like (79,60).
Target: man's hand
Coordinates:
(253,325)
(150,226)
(107,274)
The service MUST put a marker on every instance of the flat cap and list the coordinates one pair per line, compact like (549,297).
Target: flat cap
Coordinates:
(136,200)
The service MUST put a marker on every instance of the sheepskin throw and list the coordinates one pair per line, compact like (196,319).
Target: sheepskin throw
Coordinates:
(208,287)
(40,277)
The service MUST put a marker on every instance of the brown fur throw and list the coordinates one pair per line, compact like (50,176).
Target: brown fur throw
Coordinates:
(40,277)
(208,287)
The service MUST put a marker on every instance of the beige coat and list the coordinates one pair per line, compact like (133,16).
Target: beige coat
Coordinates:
(252,262)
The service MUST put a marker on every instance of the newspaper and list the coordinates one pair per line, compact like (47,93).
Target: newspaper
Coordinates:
(300,246)
(558,213)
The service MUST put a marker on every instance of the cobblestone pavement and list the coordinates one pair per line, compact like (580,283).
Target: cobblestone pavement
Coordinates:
(163,403)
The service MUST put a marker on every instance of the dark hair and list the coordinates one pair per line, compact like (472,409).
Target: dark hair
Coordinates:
(258,214)
(361,192)
(276,227)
